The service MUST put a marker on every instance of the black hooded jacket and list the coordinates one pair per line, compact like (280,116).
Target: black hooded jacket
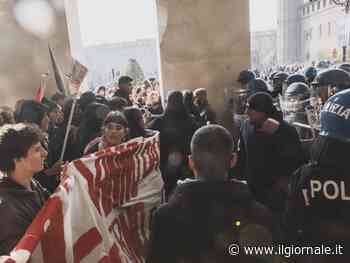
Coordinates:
(203,218)
(18,208)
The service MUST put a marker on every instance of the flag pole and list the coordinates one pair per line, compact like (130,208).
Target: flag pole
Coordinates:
(69,125)
(76,78)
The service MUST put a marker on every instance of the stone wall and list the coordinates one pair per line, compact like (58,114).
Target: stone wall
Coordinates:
(24,47)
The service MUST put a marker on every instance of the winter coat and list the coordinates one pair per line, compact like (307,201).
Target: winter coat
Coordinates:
(268,161)
(202,220)
(18,208)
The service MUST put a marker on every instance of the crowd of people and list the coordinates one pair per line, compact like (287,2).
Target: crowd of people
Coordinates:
(282,179)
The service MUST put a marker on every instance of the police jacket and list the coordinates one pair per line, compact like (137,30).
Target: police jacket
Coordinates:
(318,207)
(18,208)
(201,221)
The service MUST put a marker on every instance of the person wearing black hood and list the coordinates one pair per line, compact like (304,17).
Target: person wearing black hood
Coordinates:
(91,123)
(206,217)
(176,128)
(270,151)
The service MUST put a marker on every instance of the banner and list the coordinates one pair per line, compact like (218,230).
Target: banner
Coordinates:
(101,211)
(77,76)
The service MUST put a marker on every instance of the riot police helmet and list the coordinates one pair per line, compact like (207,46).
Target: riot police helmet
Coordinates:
(295,78)
(333,77)
(310,73)
(345,67)
(335,117)
(298,90)
(246,76)
(257,85)
(280,76)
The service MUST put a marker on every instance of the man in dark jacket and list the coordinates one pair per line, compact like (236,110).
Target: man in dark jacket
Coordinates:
(124,89)
(205,216)
(21,197)
(270,151)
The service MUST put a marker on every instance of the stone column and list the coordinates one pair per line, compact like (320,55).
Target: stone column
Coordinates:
(24,47)
(204,44)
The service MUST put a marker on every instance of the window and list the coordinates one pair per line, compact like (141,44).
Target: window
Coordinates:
(320,31)
(313,7)
(308,9)
(304,11)
(324,3)
(318,5)
(329,28)
(310,33)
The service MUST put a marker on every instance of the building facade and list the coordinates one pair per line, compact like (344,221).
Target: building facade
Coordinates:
(263,49)
(108,61)
(317,33)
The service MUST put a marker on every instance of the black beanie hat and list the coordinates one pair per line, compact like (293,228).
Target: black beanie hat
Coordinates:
(261,102)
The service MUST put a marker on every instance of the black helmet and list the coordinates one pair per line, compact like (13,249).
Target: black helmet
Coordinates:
(333,77)
(345,67)
(295,78)
(245,76)
(257,85)
(272,75)
(310,73)
(298,90)
(323,64)
(282,76)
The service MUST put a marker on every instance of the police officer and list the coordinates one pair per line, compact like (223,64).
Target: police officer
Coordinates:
(278,80)
(295,78)
(245,77)
(310,74)
(329,82)
(345,67)
(257,85)
(293,104)
(318,205)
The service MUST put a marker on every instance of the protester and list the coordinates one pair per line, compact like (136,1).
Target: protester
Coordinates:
(124,89)
(58,98)
(21,197)
(270,151)
(91,123)
(206,113)
(136,123)
(114,132)
(207,215)
(176,128)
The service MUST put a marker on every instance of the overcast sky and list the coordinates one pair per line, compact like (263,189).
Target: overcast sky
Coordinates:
(110,21)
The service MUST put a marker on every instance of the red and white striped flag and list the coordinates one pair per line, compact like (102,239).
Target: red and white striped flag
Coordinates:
(101,211)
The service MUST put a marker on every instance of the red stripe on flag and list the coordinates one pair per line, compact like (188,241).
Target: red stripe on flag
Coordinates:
(86,173)
(53,241)
(86,243)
